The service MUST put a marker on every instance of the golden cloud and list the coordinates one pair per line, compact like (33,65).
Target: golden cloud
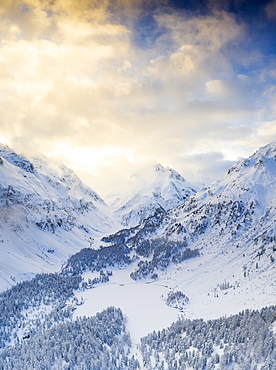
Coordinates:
(72,77)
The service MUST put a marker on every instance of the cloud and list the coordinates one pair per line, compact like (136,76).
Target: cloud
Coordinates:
(270,10)
(207,166)
(75,78)
(201,30)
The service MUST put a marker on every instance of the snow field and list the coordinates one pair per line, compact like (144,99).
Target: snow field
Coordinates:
(140,302)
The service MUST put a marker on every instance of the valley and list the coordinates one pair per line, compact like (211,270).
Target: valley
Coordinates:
(207,264)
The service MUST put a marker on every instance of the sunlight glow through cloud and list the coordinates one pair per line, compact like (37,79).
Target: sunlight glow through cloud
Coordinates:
(111,86)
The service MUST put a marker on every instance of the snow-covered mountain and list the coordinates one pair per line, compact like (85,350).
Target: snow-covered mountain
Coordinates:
(46,214)
(220,242)
(205,270)
(154,190)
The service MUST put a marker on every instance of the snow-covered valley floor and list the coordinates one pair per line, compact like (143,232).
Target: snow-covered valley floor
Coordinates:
(143,303)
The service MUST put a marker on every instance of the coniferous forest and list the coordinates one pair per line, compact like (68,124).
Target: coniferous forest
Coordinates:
(38,332)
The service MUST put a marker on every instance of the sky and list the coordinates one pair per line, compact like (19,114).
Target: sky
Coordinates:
(111,86)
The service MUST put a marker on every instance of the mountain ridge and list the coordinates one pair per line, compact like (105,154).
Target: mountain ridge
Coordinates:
(229,227)
(40,204)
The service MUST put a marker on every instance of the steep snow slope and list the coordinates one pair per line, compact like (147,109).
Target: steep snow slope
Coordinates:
(46,214)
(219,247)
(154,190)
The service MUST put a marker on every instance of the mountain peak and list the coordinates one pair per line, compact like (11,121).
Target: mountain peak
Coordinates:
(155,189)
(267,152)
(171,173)
(4,147)
(261,161)
(16,159)
(159,168)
